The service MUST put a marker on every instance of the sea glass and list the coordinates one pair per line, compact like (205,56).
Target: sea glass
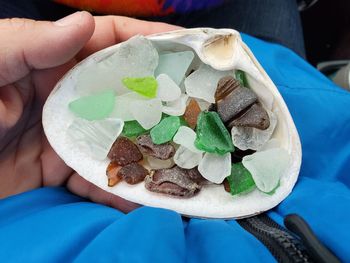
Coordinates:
(168,90)
(122,108)
(147,112)
(192,112)
(165,130)
(176,107)
(146,86)
(246,138)
(185,136)
(240,180)
(94,107)
(242,78)
(212,135)
(186,158)
(202,83)
(267,167)
(133,129)
(136,57)
(175,65)
(215,168)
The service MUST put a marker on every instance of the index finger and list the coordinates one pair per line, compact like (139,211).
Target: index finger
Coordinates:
(110,30)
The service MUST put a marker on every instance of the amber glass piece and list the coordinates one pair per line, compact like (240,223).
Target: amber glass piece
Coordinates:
(192,112)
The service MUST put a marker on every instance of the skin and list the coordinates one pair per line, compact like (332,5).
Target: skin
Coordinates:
(34,55)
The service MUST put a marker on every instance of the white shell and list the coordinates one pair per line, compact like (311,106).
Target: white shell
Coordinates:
(223,50)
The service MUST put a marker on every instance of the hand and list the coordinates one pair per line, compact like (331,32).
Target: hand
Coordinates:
(33,57)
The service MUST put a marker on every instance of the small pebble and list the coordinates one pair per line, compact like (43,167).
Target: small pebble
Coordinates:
(174,181)
(246,138)
(256,117)
(237,101)
(225,87)
(124,151)
(160,151)
(133,173)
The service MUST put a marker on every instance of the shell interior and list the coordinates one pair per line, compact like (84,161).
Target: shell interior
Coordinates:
(223,50)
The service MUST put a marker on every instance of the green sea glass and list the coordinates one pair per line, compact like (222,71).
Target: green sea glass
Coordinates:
(133,129)
(242,78)
(146,87)
(94,107)
(212,135)
(240,179)
(165,130)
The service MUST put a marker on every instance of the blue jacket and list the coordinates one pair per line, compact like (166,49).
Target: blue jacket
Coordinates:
(52,225)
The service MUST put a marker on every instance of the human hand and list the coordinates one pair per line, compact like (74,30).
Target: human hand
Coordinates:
(33,57)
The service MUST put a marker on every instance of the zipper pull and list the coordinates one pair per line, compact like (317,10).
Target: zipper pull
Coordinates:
(317,251)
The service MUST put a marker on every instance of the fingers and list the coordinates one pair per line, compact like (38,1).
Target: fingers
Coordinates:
(79,186)
(27,44)
(110,30)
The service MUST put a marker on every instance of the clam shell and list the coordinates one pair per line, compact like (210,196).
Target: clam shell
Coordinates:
(223,49)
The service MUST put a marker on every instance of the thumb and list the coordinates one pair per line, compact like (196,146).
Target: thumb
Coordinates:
(28,44)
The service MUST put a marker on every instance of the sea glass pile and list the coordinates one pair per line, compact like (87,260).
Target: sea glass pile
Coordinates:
(175,125)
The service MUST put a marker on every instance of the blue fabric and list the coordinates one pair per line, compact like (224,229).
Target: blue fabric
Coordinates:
(52,225)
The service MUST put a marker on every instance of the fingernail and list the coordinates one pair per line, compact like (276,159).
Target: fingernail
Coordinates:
(69,20)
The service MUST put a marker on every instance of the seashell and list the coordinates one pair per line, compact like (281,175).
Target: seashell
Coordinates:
(222,49)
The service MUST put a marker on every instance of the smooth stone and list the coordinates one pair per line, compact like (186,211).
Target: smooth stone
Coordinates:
(94,137)
(246,138)
(186,136)
(256,117)
(176,107)
(94,107)
(225,87)
(122,108)
(175,65)
(240,180)
(132,129)
(212,135)
(168,90)
(136,57)
(165,130)
(186,158)
(147,112)
(202,83)
(146,86)
(234,103)
(267,167)
(215,168)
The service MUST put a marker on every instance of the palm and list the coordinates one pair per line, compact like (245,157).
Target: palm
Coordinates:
(27,161)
